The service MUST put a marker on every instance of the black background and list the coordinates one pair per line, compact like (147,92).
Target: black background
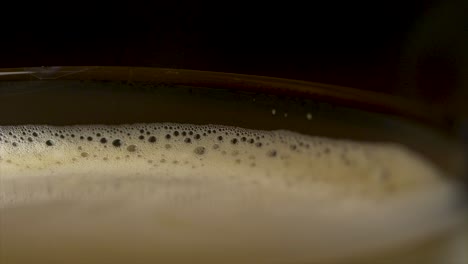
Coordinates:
(411,48)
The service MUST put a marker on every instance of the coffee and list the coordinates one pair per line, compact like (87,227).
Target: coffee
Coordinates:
(178,192)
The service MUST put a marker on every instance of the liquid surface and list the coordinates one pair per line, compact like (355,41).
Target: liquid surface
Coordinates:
(175,192)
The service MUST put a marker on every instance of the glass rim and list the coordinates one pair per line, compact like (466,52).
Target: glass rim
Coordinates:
(345,96)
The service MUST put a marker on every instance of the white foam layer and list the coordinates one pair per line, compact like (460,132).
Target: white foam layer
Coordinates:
(257,194)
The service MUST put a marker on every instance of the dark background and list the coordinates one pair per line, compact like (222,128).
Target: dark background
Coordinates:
(415,49)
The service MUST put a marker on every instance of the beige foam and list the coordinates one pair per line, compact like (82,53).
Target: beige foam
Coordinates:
(216,191)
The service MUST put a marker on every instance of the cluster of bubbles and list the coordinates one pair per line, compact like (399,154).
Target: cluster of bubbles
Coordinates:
(293,159)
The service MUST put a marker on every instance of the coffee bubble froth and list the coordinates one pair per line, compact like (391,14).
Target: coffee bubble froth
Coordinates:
(259,188)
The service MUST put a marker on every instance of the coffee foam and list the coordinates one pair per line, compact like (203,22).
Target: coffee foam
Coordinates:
(259,188)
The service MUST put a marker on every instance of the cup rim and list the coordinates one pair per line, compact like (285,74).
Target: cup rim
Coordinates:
(345,96)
